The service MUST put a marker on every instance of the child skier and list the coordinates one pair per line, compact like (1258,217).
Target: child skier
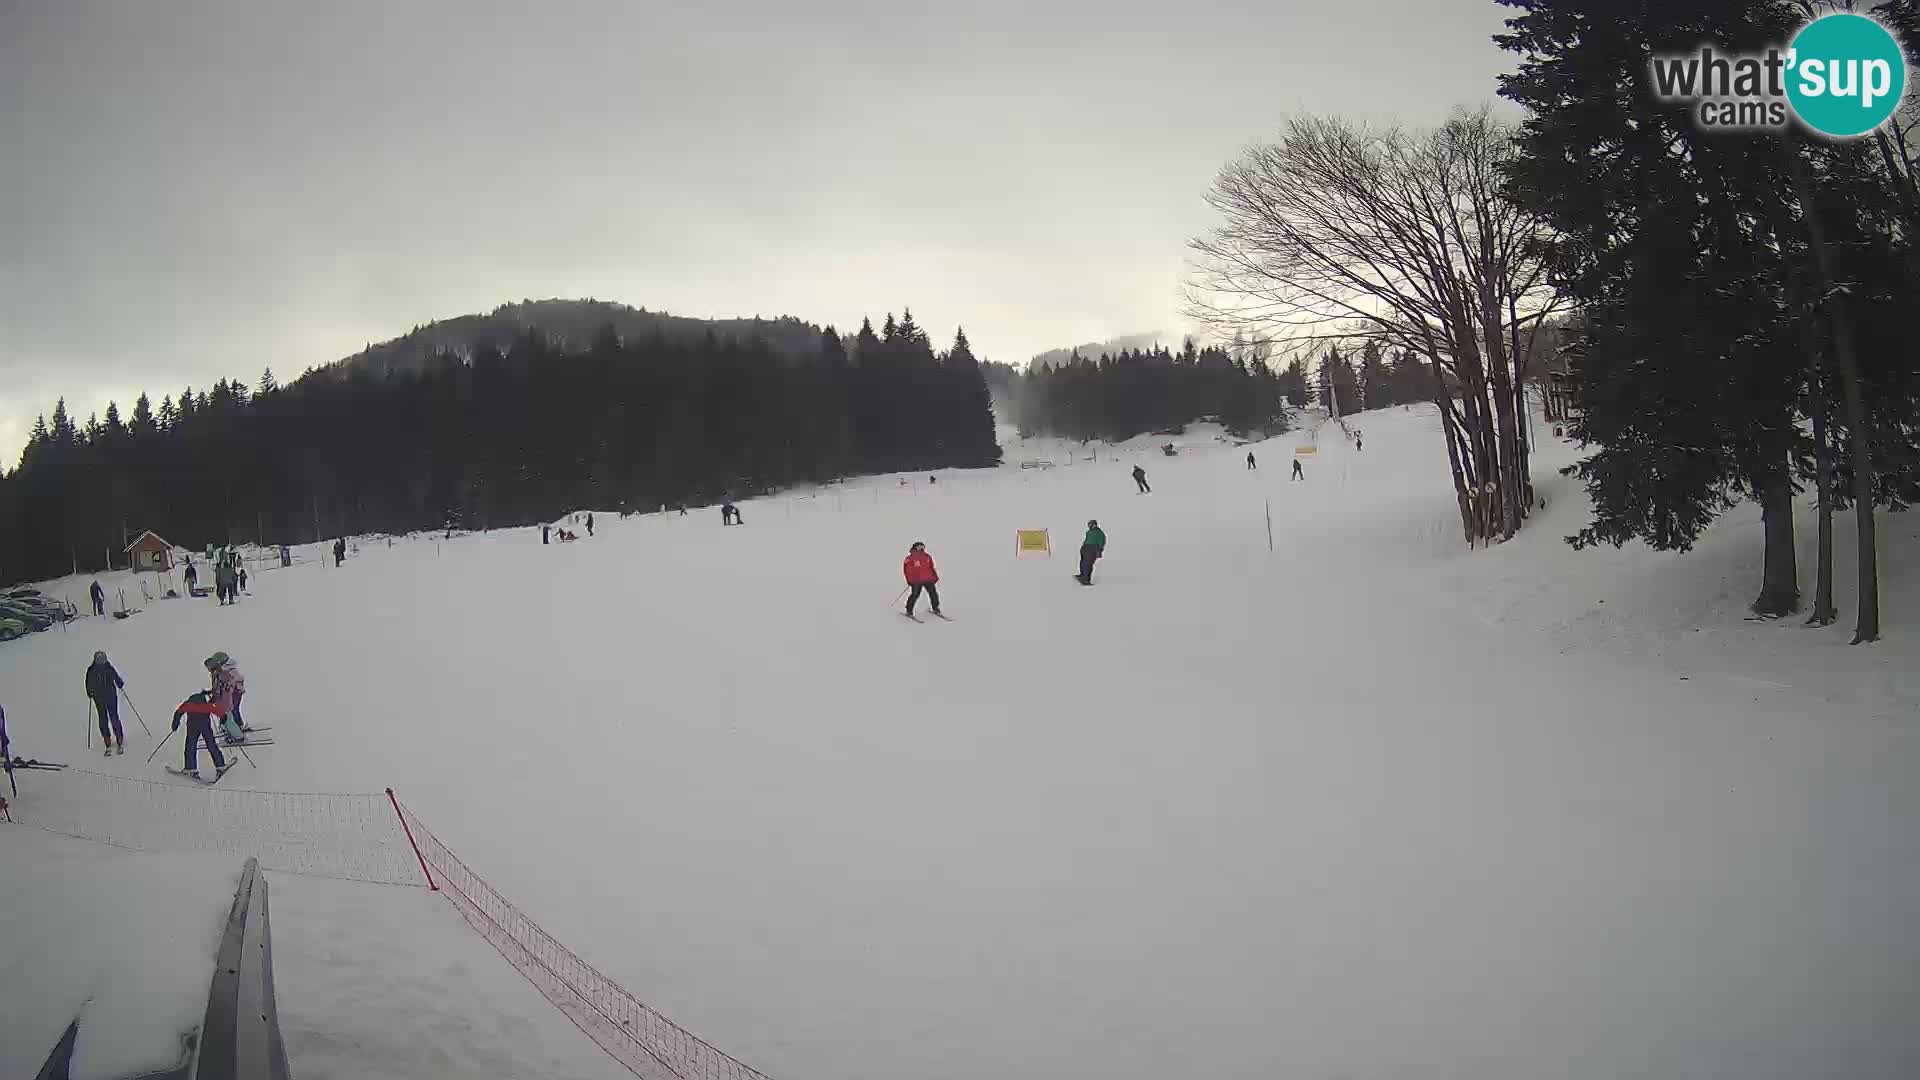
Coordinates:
(199,711)
(1094,546)
(229,686)
(921,576)
(1298,473)
(103,689)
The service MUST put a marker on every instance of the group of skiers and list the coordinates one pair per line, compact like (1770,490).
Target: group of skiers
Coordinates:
(229,579)
(217,708)
(922,578)
(565,535)
(1298,473)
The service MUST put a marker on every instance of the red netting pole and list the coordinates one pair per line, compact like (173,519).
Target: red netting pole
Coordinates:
(416,846)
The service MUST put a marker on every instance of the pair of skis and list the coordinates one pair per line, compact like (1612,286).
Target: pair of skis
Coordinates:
(218,772)
(915,618)
(29,763)
(249,741)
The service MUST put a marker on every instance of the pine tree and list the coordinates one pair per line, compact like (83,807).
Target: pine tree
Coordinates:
(112,423)
(168,416)
(1293,383)
(1337,378)
(1376,383)
(64,434)
(1688,369)
(141,422)
(268,384)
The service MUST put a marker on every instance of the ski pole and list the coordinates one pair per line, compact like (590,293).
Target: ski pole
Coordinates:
(137,716)
(244,754)
(901,593)
(158,745)
(89,723)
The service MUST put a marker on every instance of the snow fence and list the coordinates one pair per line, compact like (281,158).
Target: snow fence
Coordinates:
(374,838)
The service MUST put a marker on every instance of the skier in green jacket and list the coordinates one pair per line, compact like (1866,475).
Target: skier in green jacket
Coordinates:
(1091,549)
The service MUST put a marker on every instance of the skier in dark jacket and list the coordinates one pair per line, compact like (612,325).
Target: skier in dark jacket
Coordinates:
(339,551)
(99,596)
(589,524)
(1094,546)
(191,575)
(1140,477)
(1298,472)
(199,711)
(1250,463)
(103,688)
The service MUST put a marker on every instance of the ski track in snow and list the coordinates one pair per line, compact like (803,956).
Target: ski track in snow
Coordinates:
(1372,805)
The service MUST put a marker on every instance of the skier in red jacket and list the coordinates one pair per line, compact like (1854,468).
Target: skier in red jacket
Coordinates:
(921,575)
(199,712)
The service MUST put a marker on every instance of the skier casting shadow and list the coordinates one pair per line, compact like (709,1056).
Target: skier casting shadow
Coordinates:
(103,689)
(1094,546)
(921,576)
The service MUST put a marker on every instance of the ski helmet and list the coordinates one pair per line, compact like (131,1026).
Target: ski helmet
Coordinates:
(99,658)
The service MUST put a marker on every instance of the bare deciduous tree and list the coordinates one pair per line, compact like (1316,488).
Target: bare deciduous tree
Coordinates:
(1339,231)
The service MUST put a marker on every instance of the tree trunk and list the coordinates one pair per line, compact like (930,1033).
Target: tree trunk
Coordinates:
(1453,451)
(1867,625)
(1780,576)
(1823,613)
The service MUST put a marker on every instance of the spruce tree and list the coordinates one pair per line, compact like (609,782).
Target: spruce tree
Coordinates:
(1688,372)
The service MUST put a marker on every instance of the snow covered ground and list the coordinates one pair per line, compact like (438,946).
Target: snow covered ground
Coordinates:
(1367,805)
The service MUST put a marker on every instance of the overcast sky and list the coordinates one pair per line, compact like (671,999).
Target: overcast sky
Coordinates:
(192,190)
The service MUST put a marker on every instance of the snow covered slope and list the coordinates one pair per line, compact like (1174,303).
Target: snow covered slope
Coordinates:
(1366,805)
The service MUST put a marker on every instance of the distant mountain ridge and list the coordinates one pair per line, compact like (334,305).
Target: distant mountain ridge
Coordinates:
(572,324)
(1124,343)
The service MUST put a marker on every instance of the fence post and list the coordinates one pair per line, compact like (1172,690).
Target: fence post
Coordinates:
(410,840)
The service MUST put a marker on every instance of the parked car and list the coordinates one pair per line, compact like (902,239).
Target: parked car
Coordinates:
(11,628)
(35,620)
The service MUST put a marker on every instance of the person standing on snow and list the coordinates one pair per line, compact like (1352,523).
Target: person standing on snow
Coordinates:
(191,575)
(229,687)
(199,711)
(339,551)
(1298,473)
(1140,478)
(1250,463)
(1359,443)
(99,597)
(1094,546)
(103,689)
(223,581)
(921,576)
(589,524)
